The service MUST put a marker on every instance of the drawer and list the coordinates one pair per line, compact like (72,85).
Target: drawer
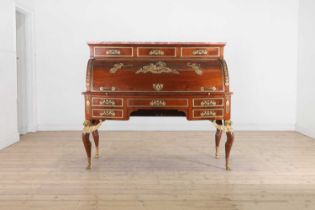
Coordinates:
(107,102)
(200,52)
(207,113)
(157,102)
(208,102)
(113,51)
(107,113)
(156,52)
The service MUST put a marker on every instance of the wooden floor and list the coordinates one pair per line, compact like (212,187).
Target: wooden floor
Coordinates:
(159,171)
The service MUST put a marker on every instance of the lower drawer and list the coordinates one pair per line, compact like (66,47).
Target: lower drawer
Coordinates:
(207,113)
(108,113)
(157,102)
(107,102)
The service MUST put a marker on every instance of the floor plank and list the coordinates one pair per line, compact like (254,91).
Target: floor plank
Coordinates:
(159,170)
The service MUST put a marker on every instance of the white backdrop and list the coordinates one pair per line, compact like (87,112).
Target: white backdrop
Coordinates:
(261,52)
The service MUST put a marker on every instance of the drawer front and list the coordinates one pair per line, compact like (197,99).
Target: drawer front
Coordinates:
(208,102)
(200,52)
(207,113)
(157,102)
(107,102)
(156,52)
(108,113)
(113,51)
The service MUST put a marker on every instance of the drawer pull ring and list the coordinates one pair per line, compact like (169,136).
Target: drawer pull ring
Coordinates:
(107,102)
(112,52)
(156,52)
(200,52)
(207,103)
(157,103)
(208,113)
(107,113)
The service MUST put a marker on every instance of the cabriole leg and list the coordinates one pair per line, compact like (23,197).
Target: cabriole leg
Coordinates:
(88,148)
(228,144)
(96,141)
(218,135)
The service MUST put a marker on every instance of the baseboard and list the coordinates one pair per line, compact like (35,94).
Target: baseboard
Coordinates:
(171,124)
(7,140)
(305,131)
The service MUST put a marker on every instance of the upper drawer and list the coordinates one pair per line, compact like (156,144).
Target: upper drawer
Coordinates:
(200,52)
(156,52)
(106,51)
(107,102)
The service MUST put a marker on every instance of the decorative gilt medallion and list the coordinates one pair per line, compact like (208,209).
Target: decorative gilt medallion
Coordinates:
(157,86)
(157,103)
(157,68)
(196,68)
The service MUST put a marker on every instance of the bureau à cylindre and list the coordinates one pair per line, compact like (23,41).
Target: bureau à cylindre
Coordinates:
(187,79)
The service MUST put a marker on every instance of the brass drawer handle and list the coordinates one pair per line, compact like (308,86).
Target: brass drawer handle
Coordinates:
(157,103)
(208,88)
(207,103)
(200,52)
(156,52)
(107,88)
(112,52)
(157,86)
(107,102)
(208,113)
(107,113)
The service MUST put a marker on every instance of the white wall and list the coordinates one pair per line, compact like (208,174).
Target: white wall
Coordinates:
(8,122)
(261,52)
(306,69)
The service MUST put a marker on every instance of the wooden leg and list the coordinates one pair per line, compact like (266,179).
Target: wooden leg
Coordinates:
(228,146)
(88,148)
(218,135)
(96,141)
